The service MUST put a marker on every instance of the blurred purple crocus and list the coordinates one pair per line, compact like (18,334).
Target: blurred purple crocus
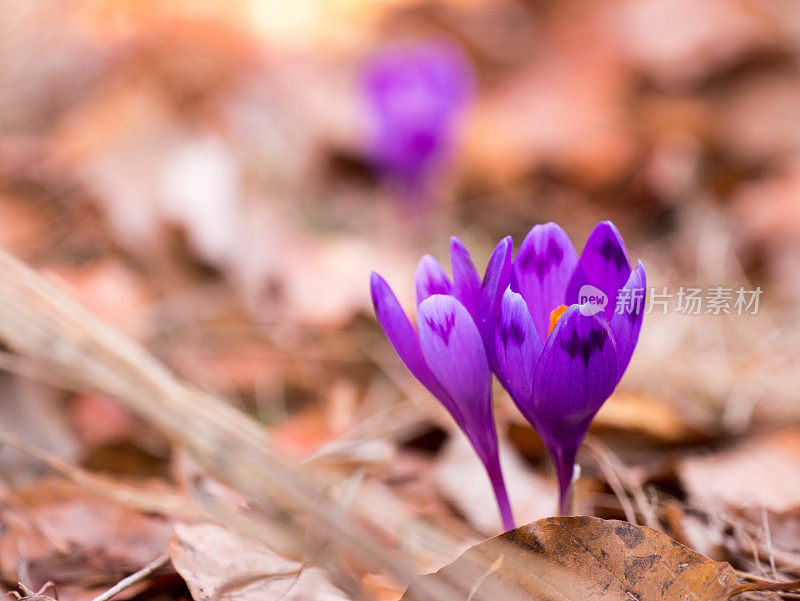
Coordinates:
(415,92)
(565,334)
(449,352)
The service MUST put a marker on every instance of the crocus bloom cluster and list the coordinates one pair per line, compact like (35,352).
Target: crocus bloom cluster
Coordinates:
(547,324)
(450,351)
(415,92)
(562,341)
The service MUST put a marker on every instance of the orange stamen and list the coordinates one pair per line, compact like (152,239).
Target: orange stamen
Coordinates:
(555,315)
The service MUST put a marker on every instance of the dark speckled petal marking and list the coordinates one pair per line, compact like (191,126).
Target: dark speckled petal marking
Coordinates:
(585,346)
(576,373)
(603,264)
(430,278)
(543,267)
(442,325)
(517,346)
(437,285)
(512,332)
(542,263)
(613,253)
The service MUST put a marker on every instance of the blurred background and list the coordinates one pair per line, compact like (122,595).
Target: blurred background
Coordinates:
(217,179)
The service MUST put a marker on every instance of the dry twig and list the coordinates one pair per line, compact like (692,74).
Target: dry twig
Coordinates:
(129,581)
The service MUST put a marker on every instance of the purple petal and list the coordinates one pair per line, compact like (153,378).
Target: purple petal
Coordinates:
(517,349)
(430,278)
(495,282)
(577,370)
(466,281)
(418,84)
(403,336)
(498,272)
(542,269)
(453,350)
(603,266)
(415,93)
(576,373)
(626,322)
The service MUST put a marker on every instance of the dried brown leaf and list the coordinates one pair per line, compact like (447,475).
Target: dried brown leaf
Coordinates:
(100,541)
(653,419)
(678,42)
(761,472)
(588,559)
(218,564)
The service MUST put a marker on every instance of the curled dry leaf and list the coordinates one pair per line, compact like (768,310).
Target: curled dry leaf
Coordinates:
(220,565)
(562,111)
(99,420)
(768,537)
(68,534)
(587,559)
(764,211)
(678,42)
(762,472)
(705,534)
(38,411)
(646,417)
(110,288)
(757,119)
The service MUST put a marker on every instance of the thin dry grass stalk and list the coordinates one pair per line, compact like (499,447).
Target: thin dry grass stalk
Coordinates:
(69,345)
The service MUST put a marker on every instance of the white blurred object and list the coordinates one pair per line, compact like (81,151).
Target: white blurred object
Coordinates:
(199,190)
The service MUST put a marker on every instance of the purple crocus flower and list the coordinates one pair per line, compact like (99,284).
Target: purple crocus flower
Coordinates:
(562,340)
(415,92)
(449,352)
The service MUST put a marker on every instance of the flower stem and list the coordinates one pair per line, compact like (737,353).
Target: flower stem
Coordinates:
(565,505)
(564,460)
(500,493)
